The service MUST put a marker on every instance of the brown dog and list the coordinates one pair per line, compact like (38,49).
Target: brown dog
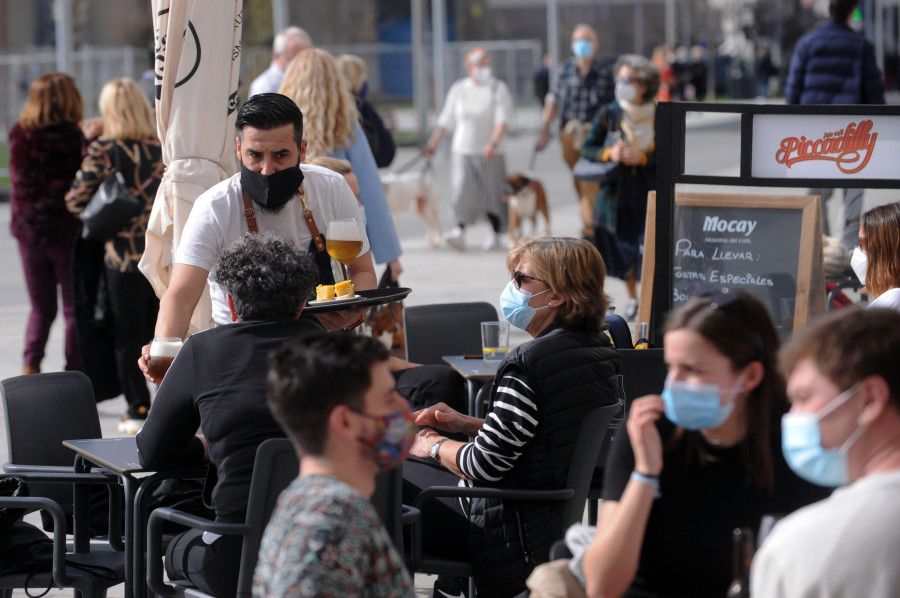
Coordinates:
(526,199)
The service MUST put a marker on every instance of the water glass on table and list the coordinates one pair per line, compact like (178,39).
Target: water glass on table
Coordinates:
(494,341)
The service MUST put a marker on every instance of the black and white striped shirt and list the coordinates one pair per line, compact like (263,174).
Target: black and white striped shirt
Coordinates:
(508,427)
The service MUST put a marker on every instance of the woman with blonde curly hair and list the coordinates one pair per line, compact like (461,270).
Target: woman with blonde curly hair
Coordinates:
(331,128)
(128,145)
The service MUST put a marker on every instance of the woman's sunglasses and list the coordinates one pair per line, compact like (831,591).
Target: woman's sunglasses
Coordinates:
(520,278)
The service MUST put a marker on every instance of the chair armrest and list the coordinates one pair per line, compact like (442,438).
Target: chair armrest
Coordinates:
(457,491)
(33,503)
(66,476)
(16,468)
(154,540)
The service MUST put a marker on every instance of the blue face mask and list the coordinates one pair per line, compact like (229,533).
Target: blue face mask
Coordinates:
(582,48)
(514,305)
(695,406)
(801,443)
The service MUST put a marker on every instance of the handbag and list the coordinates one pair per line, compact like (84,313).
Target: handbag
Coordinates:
(599,172)
(112,205)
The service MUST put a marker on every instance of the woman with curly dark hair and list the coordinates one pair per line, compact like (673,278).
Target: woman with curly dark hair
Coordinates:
(45,148)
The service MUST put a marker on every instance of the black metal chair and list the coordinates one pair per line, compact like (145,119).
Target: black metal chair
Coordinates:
(619,331)
(42,410)
(643,372)
(274,468)
(433,331)
(91,574)
(573,496)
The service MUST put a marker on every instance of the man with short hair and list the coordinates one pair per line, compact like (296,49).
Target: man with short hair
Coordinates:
(835,65)
(273,191)
(286,45)
(843,430)
(585,83)
(218,383)
(335,397)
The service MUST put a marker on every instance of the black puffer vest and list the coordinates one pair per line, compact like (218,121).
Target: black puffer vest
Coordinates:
(571,372)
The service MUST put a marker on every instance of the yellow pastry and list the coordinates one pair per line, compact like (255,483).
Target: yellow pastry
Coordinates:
(324,292)
(343,289)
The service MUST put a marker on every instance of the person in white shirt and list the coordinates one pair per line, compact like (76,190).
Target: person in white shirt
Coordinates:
(876,261)
(287,44)
(843,429)
(477,111)
(273,189)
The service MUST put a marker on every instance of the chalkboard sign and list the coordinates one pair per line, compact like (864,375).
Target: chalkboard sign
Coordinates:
(767,245)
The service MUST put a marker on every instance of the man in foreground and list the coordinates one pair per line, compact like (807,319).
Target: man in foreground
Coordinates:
(843,430)
(335,397)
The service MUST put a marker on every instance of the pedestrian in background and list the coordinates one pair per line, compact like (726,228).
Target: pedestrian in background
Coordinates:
(381,142)
(128,144)
(331,128)
(287,44)
(835,65)
(477,110)
(585,83)
(45,148)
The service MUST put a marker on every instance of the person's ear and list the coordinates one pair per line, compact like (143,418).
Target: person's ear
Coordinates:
(342,424)
(876,398)
(753,376)
(230,301)
(302,151)
(237,144)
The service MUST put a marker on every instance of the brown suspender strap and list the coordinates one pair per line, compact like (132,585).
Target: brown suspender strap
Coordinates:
(311,222)
(249,213)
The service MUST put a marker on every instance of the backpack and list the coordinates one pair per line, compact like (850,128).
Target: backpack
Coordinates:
(381,142)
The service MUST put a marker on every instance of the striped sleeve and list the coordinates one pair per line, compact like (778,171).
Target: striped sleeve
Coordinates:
(508,428)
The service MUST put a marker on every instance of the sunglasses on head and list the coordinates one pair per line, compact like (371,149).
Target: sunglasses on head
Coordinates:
(520,278)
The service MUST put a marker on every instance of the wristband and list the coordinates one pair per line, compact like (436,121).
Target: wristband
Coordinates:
(647,480)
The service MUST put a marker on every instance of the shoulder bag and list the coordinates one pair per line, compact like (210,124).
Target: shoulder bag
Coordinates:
(111,207)
(598,172)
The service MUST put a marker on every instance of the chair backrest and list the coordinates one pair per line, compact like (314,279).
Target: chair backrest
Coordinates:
(42,410)
(433,331)
(619,331)
(587,447)
(275,467)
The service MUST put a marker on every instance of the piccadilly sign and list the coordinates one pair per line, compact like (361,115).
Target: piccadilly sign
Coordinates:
(826,146)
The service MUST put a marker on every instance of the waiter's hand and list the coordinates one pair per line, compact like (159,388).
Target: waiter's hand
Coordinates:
(144,363)
(338,320)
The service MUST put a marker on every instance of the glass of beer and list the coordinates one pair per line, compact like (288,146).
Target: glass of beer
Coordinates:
(162,352)
(343,242)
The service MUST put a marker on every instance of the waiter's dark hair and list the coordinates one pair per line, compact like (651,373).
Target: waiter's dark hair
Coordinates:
(267,111)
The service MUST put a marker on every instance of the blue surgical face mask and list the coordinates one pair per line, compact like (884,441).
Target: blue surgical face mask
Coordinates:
(801,443)
(582,48)
(514,305)
(696,406)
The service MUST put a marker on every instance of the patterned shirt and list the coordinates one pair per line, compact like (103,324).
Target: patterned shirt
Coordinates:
(140,162)
(509,426)
(325,539)
(578,97)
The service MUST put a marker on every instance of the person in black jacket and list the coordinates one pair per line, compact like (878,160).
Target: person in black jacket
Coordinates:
(218,383)
(380,139)
(835,65)
(541,393)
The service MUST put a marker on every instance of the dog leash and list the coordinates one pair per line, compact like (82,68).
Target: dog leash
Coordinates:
(531,161)
(409,164)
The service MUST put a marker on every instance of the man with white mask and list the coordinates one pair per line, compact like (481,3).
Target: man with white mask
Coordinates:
(584,84)
(843,430)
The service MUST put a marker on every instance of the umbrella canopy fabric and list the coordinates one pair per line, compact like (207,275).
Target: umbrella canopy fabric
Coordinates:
(197,65)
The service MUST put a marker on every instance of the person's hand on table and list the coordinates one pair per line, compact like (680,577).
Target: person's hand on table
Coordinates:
(144,363)
(645,440)
(338,320)
(424,440)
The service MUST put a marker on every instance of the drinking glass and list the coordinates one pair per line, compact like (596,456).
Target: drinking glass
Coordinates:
(494,341)
(162,353)
(343,242)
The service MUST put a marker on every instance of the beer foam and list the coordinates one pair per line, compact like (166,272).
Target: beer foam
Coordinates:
(164,349)
(344,231)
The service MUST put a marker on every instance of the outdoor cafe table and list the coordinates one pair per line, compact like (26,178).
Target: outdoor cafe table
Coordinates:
(120,456)
(476,374)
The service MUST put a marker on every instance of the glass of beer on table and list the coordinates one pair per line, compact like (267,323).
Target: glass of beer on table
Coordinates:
(343,242)
(162,352)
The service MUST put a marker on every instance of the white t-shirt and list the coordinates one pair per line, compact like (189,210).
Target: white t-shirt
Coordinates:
(217,220)
(472,110)
(845,546)
(890,298)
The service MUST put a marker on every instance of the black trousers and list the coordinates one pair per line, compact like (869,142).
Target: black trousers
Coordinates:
(134,308)
(428,385)
(445,525)
(212,567)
